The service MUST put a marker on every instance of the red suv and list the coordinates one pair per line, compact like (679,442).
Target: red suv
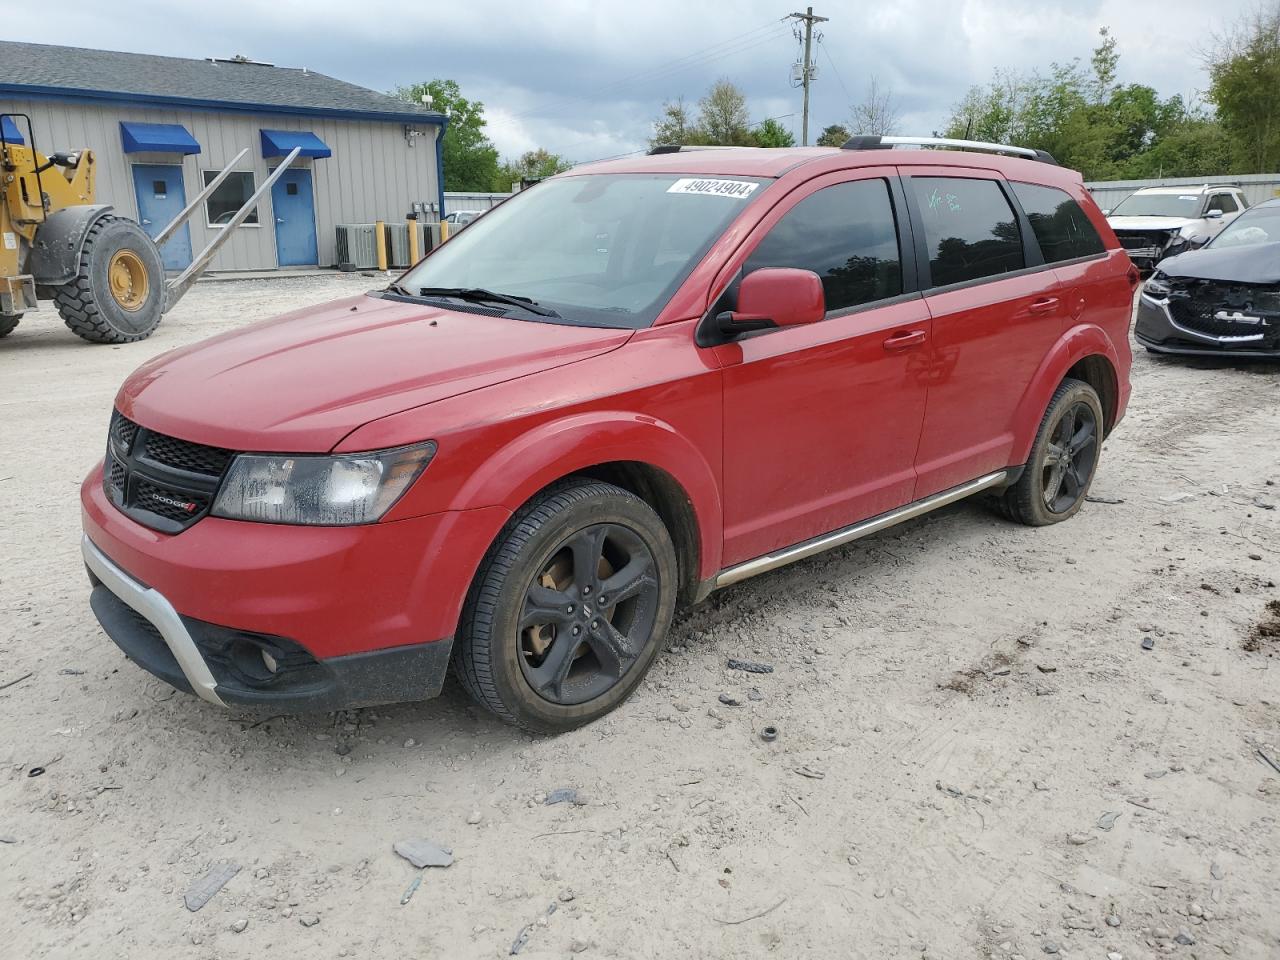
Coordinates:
(625,387)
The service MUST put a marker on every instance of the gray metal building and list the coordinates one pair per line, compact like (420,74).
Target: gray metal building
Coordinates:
(161,128)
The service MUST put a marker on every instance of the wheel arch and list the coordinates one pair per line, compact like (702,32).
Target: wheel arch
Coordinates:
(641,454)
(55,256)
(1084,353)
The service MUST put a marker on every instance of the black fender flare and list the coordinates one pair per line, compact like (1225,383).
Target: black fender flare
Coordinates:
(55,255)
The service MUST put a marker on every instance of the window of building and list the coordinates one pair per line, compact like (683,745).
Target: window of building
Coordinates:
(229,197)
(970,229)
(847,235)
(1063,229)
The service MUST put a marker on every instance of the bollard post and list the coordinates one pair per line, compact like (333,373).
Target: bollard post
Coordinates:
(444,231)
(380,238)
(413,241)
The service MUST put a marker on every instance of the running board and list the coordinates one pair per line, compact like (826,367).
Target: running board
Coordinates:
(838,538)
(180,284)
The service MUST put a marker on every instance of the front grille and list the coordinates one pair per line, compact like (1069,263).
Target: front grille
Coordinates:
(162,482)
(1197,305)
(184,455)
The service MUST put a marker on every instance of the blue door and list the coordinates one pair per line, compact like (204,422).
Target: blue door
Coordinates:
(161,197)
(295,214)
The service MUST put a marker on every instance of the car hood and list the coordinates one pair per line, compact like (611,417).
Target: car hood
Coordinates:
(301,382)
(1149,223)
(1256,263)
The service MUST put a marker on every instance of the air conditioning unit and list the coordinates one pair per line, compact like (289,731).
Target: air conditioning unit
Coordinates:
(398,245)
(357,246)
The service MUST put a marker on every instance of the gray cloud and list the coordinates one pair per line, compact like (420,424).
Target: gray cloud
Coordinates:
(585,79)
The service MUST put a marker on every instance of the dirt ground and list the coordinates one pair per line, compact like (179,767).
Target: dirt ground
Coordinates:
(976,756)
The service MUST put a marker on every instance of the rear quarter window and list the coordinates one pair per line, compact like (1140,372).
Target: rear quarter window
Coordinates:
(1061,227)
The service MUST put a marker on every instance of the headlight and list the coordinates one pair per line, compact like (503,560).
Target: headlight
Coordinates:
(321,490)
(1156,287)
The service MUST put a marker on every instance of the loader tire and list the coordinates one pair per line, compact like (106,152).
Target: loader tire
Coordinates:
(7,324)
(118,294)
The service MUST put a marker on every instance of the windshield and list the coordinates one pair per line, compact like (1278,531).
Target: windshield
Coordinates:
(1184,205)
(1260,225)
(602,249)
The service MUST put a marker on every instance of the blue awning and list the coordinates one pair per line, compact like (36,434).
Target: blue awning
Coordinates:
(280,143)
(157,138)
(11,132)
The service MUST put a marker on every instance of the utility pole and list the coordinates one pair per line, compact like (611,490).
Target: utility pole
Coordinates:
(809,20)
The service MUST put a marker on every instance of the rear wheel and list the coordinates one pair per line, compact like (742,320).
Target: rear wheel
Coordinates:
(118,293)
(1063,460)
(569,609)
(7,324)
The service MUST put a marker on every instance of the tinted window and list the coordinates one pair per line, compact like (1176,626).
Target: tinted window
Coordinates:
(1058,222)
(230,196)
(846,235)
(969,229)
(1224,202)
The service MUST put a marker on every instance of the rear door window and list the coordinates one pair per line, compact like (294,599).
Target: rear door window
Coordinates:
(847,235)
(1224,202)
(1061,227)
(970,230)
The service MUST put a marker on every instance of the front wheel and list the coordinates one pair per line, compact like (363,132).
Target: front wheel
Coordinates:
(1063,460)
(569,609)
(118,294)
(7,324)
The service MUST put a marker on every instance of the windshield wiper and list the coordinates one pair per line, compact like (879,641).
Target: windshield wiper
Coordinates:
(480,295)
(396,288)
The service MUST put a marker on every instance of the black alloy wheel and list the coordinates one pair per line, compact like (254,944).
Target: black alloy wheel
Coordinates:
(1053,484)
(588,614)
(569,608)
(1070,458)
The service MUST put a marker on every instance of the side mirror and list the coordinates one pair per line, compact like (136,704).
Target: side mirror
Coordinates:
(775,297)
(1213,214)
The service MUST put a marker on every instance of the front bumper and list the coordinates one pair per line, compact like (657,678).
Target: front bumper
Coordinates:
(1156,330)
(361,615)
(197,657)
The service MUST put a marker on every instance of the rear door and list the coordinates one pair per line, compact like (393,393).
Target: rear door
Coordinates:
(996,311)
(821,421)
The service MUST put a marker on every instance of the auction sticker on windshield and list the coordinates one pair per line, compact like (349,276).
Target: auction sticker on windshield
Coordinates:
(736,189)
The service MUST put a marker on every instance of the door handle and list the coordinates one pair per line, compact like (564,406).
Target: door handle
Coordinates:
(279,220)
(1044,305)
(905,340)
(145,222)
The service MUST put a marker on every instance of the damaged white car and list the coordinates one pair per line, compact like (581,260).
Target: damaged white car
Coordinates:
(1158,222)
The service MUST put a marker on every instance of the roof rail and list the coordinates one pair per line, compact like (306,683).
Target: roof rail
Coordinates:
(888,143)
(683,148)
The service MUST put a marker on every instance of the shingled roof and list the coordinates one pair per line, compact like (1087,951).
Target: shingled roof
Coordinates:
(38,69)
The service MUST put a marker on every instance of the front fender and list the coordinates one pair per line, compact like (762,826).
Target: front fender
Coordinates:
(1084,340)
(539,457)
(55,256)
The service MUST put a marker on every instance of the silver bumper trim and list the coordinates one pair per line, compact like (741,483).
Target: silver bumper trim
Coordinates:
(838,538)
(160,613)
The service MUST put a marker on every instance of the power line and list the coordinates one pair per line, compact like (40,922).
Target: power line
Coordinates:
(847,96)
(718,51)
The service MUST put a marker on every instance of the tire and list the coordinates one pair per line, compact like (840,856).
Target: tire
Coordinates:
(118,294)
(1051,490)
(7,324)
(533,646)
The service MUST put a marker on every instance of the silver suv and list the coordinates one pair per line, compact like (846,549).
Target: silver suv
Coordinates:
(1158,222)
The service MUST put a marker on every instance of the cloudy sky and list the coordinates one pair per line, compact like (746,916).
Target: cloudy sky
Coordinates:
(584,78)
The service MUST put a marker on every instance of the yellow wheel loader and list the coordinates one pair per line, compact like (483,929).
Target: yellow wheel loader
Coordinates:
(103,272)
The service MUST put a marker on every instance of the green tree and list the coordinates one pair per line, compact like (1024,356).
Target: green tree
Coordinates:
(470,160)
(1244,85)
(722,116)
(771,133)
(833,136)
(675,126)
(533,165)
